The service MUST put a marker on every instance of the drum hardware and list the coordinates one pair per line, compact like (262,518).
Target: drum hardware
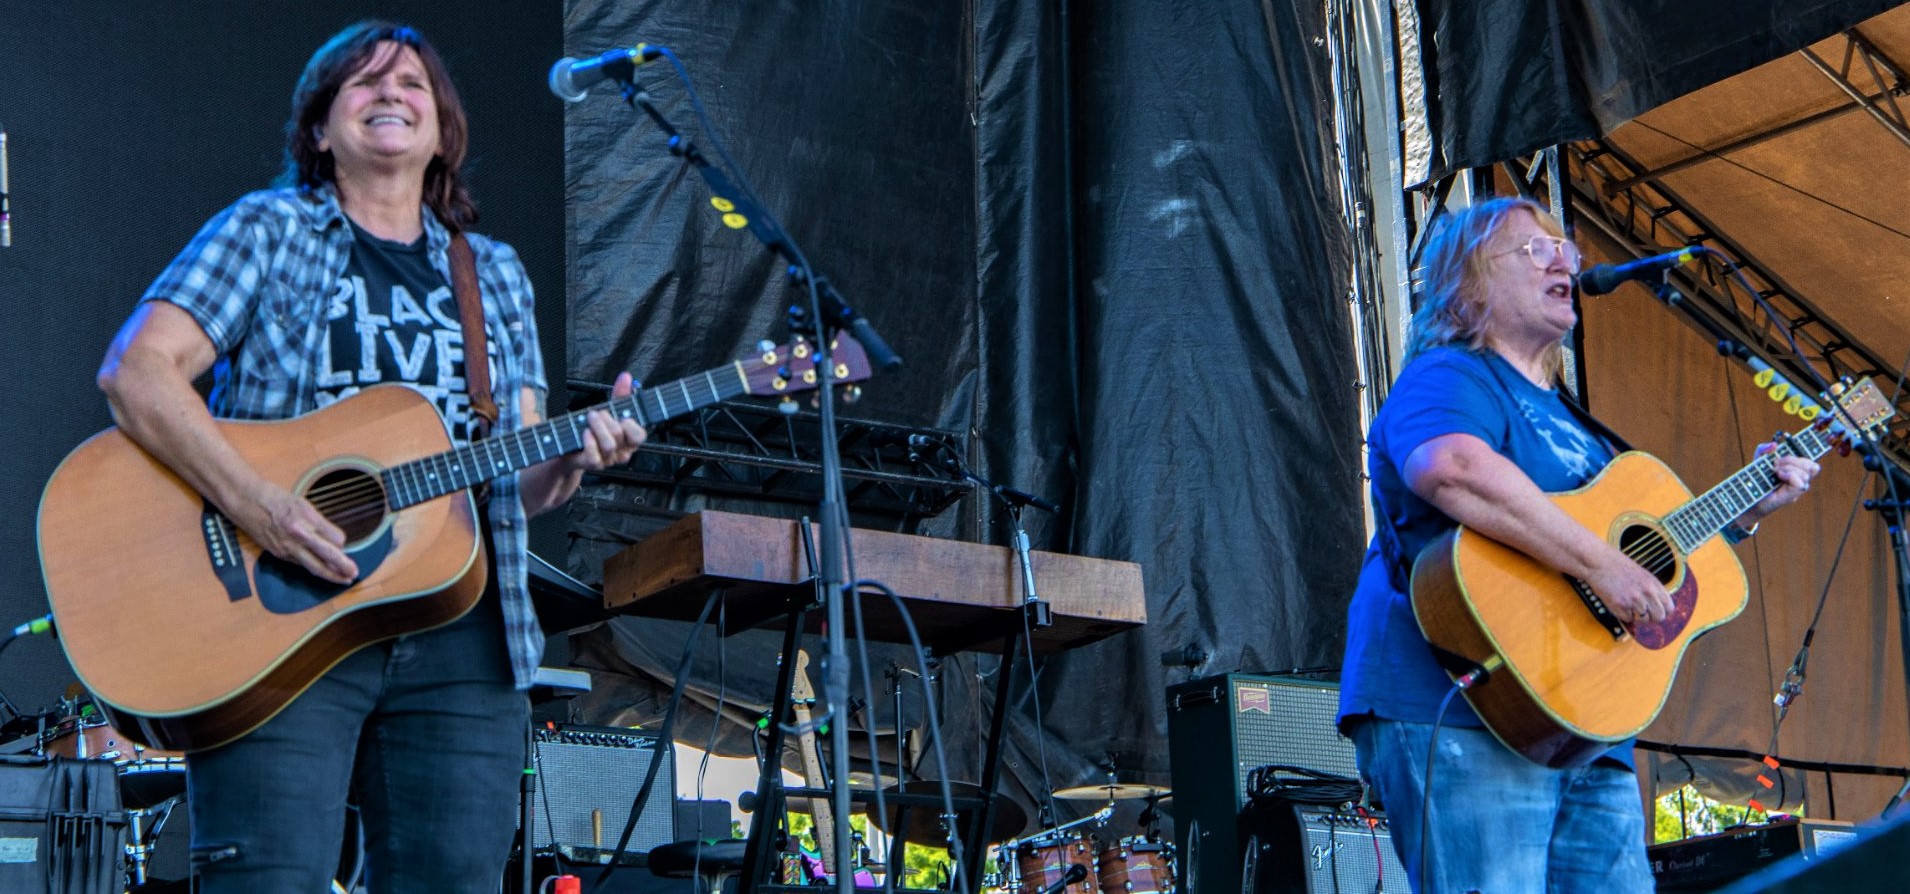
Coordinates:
(1113,791)
(141,837)
(924,825)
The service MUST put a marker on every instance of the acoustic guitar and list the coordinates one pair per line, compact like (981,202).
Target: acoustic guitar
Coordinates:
(189,635)
(1566,679)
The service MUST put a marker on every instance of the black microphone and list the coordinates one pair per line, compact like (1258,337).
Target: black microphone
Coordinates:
(1603,278)
(569,78)
(1024,498)
(923,446)
(1076,872)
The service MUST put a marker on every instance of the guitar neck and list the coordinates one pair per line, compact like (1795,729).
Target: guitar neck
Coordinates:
(1697,521)
(427,479)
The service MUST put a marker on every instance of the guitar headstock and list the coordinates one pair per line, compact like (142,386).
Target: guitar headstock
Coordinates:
(800,688)
(1864,404)
(790,368)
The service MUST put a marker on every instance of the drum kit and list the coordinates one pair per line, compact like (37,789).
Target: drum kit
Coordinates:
(152,785)
(151,782)
(1071,859)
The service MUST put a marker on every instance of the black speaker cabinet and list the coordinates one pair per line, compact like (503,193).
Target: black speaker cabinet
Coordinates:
(587,779)
(1219,729)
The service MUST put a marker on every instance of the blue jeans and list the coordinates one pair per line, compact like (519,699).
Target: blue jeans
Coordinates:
(425,733)
(1501,824)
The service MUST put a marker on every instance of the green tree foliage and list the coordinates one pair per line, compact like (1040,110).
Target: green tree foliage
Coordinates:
(1685,813)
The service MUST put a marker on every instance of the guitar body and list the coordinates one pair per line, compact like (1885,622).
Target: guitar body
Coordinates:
(1567,688)
(183,655)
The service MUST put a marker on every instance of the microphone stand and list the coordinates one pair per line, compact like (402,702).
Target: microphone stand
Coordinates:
(1892,510)
(826,313)
(1040,614)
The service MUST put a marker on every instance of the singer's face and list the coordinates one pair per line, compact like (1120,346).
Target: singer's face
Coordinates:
(1530,304)
(385,117)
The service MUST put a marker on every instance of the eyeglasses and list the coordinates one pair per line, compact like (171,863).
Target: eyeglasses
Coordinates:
(1544,250)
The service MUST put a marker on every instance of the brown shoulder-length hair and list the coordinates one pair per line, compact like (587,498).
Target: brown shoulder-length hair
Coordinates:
(307,167)
(1453,308)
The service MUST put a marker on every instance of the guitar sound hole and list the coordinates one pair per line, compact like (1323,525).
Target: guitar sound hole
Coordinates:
(1651,548)
(352,499)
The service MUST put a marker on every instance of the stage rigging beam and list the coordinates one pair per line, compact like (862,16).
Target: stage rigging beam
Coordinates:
(1647,218)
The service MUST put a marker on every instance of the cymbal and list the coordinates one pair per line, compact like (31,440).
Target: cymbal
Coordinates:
(1113,791)
(924,824)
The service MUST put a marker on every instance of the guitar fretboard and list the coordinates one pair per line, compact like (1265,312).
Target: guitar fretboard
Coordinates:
(453,470)
(1697,521)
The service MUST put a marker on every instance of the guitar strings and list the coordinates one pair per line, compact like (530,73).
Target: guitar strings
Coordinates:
(364,495)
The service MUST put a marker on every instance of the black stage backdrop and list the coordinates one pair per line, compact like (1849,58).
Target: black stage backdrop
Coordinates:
(129,124)
(1509,77)
(1104,238)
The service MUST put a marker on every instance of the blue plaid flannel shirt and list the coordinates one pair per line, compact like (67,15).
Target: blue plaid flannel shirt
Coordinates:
(255,279)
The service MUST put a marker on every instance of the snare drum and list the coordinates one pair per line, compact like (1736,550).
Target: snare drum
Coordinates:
(1137,865)
(147,776)
(1040,862)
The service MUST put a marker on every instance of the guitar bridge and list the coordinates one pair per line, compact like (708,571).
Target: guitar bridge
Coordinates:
(1596,606)
(222,550)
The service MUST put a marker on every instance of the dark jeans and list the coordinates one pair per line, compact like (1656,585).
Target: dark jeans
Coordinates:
(425,733)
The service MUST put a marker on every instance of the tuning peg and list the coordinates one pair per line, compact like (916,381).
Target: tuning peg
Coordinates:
(787,406)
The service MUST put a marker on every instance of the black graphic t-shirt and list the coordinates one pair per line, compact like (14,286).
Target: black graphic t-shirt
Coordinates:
(393,319)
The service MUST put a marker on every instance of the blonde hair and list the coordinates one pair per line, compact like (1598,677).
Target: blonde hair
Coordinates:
(1453,308)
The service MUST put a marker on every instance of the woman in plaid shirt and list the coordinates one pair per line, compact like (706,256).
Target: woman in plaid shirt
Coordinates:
(294,298)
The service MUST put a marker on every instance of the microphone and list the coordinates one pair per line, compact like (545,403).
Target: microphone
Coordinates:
(1076,872)
(1603,278)
(569,78)
(922,446)
(6,213)
(1023,498)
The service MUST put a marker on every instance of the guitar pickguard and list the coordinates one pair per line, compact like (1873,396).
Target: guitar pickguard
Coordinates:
(286,588)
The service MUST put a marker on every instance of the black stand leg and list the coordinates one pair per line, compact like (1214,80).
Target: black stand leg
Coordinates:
(527,810)
(975,847)
(768,813)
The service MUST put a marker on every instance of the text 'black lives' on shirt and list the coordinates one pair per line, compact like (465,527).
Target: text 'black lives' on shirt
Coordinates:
(393,319)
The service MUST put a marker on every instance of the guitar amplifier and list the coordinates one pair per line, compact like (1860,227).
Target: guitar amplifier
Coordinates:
(1306,849)
(587,779)
(1219,730)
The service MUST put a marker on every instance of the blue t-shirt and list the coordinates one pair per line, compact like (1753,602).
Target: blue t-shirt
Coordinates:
(1389,668)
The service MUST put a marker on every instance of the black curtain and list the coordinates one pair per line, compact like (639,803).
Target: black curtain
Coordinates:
(1105,239)
(129,125)
(1505,78)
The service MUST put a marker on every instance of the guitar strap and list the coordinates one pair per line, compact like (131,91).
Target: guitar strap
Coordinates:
(477,366)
